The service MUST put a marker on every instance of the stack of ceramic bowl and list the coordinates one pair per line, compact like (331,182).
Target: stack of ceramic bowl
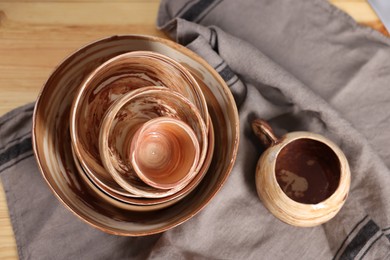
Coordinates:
(135,134)
(141,132)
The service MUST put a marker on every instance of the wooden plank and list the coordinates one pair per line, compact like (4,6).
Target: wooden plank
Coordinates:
(77,1)
(85,13)
(29,30)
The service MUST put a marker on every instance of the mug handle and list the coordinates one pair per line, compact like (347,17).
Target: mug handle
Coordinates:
(264,132)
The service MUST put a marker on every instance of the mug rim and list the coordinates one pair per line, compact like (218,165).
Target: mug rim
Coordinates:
(298,135)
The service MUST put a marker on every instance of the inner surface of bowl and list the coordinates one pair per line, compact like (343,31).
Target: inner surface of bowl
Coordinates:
(125,115)
(52,143)
(308,171)
(111,80)
(169,200)
(165,153)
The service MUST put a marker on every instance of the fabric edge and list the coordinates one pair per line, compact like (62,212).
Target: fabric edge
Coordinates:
(10,114)
(13,217)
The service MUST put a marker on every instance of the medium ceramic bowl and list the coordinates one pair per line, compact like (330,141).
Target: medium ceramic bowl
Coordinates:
(108,82)
(126,115)
(52,143)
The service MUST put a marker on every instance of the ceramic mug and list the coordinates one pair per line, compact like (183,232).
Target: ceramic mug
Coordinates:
(302,178)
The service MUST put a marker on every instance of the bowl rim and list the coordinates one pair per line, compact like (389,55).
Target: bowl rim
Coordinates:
(181,49)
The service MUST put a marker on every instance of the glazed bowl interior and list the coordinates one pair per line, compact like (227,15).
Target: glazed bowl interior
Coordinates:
(52,143)
(111,80)
(136,200)
(165,145)
(130,112)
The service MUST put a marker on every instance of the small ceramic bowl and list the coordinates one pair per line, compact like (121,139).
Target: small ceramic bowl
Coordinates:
(164,153)
(52,142)
(124,117)
(111,80)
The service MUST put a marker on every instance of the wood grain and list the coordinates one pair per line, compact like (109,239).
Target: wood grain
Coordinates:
(36,35)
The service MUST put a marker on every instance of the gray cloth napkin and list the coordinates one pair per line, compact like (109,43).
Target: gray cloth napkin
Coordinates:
(301,65)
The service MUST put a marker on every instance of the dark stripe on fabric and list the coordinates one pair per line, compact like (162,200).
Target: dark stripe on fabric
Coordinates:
(346,238)
(385,229)
(15,150)
(182,8)
(194,11)
(360,240)
(12,114)
(13,141)
(219,65)
(234,82)
(227,73)
(368,249)
(207,12)
(16,162)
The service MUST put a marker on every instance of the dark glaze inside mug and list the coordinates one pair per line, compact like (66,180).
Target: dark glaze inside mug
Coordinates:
(308,171)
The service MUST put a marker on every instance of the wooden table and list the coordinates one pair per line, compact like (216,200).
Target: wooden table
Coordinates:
(35,35)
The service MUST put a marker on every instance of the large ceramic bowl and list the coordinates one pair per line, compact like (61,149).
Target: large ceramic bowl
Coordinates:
(52,144)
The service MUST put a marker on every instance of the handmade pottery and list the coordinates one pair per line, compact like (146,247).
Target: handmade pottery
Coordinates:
(302,178)
(115,77)
(52,142)
(138,200)
(126,115)
(164,153)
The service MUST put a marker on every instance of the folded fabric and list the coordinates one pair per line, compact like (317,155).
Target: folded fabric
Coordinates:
(301,65)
